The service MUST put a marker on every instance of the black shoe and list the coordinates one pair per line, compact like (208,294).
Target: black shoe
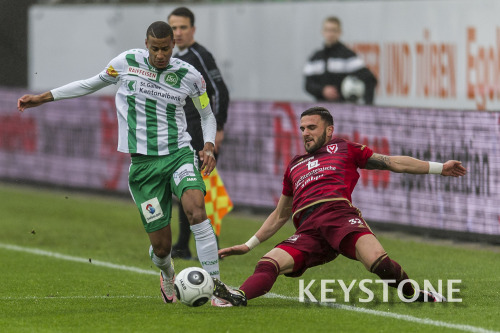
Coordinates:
(181,254)
(235,297)
(427,296)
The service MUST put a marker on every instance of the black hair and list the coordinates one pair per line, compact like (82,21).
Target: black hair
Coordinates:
(325,115)
(159,29)
(184,12)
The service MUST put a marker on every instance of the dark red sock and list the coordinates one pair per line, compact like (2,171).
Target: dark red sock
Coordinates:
(388,269)
(263,278)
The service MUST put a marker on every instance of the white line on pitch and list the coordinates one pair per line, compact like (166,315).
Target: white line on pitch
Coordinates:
(425,321)
(73,297)
(76,259)
(412,319)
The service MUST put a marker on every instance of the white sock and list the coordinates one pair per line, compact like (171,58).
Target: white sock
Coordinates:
(164,264)
(206,247)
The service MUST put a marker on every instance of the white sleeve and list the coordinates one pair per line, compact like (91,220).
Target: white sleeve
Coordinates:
(79,88)
(208,124)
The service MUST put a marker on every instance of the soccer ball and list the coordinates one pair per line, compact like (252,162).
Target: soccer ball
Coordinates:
(352,89)
(194,286)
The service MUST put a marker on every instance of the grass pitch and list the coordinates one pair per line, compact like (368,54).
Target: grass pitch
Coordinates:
(79,263)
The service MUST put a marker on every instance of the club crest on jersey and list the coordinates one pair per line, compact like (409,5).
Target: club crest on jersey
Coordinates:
(171,79)
(332,148)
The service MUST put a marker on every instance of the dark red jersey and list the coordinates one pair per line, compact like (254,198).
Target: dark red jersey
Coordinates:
(330,173)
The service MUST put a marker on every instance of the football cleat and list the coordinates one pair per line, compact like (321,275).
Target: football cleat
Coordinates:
(427,296)
(219,302)
(167,289)
(234,297)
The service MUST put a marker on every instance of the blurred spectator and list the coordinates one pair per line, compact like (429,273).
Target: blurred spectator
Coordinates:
(327,68)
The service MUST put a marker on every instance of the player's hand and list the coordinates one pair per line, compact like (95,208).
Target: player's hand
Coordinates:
(453,169)
(233,250)
(330,93)
(208,158)
(31,101)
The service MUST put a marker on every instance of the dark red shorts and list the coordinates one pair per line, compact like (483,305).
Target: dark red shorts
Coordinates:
(332,228)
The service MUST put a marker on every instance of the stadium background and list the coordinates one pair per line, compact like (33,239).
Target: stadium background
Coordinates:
(438,97)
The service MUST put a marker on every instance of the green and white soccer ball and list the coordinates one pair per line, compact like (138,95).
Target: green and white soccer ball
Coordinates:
(194,286)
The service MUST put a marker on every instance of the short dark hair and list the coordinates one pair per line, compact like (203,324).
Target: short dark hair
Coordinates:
(184,12)
(159,29)
(325,115)
(333,19)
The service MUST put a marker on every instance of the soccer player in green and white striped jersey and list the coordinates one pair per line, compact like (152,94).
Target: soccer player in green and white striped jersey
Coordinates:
(152,128)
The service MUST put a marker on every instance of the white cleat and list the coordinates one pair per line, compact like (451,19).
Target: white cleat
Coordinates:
(167,289)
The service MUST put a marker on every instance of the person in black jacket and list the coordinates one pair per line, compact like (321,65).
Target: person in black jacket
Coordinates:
(182,22)
(328,67)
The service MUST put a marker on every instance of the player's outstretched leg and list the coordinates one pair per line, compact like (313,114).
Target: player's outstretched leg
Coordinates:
(235,297)
(370,252)
(388,269)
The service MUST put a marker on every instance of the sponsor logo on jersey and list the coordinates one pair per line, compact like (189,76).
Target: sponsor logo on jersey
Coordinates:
(142,73)
(111,71)
(312,164)
(301,161)
(191,179)
(152,89)
(187,170)
(332,149)
(131,85)
(171,79)
(151,210)
(150,85)
(293,239)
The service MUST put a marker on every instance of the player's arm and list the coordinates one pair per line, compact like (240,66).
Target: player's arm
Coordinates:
(70,90)
(407,164)
(271,225)
(209,127)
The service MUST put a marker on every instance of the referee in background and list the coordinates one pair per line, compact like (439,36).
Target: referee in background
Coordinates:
(181,20)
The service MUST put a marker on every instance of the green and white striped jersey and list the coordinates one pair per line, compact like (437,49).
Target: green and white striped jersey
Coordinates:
(149,102)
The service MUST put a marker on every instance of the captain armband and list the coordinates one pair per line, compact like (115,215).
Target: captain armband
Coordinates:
(435,168)
(252,242)
(201,102)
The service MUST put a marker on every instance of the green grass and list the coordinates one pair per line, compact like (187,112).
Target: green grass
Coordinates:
(46,294)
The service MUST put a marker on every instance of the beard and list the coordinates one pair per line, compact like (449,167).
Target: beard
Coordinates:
(317,145)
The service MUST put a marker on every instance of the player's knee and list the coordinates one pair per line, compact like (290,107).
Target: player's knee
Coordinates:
(196,215)
(374,259)
(161,251)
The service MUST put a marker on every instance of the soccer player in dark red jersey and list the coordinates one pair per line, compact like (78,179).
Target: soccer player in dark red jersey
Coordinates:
(317,189)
